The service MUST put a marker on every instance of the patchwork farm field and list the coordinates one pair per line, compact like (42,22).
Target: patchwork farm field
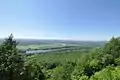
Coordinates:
(42,46)
(48,44)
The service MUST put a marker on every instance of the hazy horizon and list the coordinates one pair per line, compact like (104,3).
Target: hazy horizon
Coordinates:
(87,20)
(54,39)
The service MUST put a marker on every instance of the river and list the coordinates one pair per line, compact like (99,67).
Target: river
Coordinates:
(41,51)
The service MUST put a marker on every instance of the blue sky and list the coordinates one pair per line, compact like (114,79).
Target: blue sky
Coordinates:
(60,19)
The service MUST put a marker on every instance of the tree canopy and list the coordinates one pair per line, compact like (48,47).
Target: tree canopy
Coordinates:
(100,64)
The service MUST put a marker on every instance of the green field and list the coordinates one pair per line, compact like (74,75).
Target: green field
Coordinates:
(42,46)
(47,44)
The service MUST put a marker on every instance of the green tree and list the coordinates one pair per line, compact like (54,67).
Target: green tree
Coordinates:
(11,62)
(109,73)
(33,71)
(13,65)
(63,72)
(113,47)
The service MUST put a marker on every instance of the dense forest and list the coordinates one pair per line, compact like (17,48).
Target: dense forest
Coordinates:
(100,64)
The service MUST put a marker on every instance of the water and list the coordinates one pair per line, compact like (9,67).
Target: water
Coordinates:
(44,51)
(38,51)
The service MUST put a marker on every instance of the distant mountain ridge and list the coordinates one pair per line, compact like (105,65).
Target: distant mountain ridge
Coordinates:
(42,41)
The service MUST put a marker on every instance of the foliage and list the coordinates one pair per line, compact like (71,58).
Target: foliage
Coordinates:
(13,64)
(109,73)
(100,64)
(33,72)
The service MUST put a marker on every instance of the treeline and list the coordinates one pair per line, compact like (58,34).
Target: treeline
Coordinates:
(101,64)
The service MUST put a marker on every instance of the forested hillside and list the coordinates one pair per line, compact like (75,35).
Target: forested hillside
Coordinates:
(99,64)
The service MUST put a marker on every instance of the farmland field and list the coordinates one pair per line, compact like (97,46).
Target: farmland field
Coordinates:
(46,44)
(42,46)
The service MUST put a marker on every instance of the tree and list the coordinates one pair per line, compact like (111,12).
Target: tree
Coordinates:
(11,62)
(113,47)
(33,71)
(13,65)
(109,73)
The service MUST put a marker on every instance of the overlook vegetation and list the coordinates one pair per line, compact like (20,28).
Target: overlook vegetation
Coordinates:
(101,63)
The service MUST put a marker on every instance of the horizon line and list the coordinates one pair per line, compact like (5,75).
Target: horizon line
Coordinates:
(55,39)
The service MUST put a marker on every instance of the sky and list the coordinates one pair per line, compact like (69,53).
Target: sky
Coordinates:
(60,19)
